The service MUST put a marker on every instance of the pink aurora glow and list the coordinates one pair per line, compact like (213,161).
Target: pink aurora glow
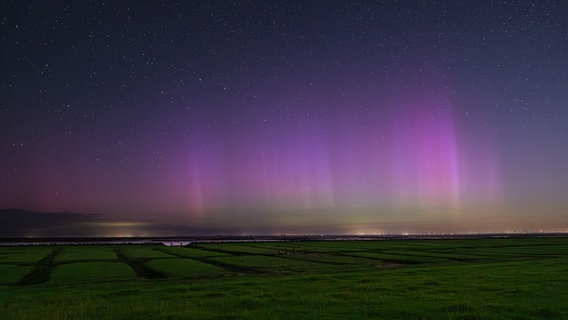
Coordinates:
(415,155)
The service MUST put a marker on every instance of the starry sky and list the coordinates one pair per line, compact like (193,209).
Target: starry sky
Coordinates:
(273,117)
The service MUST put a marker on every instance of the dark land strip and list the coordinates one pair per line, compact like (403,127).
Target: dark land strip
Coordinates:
(433,255)
(292,254)
(138,266)
(389,260)
(226,266)
(42,270)
(58,263)
(229,252)
(304,255)
(282,254)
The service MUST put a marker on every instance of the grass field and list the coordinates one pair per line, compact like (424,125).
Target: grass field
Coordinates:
(403,279)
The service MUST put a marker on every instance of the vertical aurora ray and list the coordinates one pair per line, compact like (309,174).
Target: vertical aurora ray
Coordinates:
(425,166)
(413,157)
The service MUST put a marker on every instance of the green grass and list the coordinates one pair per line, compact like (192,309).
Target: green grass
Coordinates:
(237,248)
(10,273)
(184,267)
(522,279)
(330,259)
(144,252)
(399,258)
(86,272)
(23,255)
(257,264)
(86,253)
(192,252)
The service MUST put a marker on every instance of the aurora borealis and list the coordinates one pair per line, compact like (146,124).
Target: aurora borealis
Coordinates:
(288,117)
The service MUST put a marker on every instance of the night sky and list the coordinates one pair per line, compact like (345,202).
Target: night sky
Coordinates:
(275,117)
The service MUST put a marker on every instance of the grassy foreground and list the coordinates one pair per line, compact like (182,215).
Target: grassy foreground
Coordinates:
(421,279)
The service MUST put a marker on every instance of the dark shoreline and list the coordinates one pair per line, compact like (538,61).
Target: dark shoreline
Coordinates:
(184,240)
